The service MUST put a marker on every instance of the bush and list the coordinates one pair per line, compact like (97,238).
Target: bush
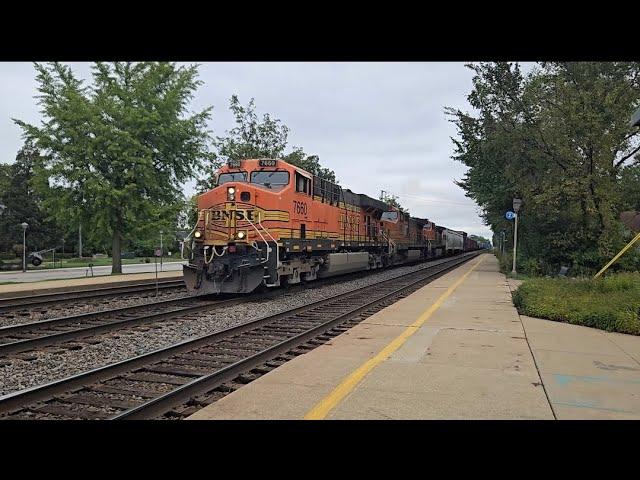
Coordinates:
(611,303)
(147,260)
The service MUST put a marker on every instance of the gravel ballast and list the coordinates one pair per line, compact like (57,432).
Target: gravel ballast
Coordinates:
(16,316)
(29,369)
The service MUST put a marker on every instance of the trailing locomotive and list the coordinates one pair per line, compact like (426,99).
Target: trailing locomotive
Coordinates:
(268,223)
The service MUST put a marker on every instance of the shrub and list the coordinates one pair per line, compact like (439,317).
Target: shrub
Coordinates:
(611,303)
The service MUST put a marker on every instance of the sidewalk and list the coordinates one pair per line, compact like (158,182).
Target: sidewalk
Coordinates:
(34,288)
(81,272)
(472,357)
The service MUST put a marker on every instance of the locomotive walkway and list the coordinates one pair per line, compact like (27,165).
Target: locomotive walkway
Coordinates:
(455,349)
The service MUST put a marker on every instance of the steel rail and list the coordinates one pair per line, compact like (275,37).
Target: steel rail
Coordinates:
(161,404)
(48,298)
(51,339)
(14,401)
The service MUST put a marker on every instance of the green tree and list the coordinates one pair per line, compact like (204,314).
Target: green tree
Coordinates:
(116,153)
(255,138)
(393,201)
(23,203)
(559,138)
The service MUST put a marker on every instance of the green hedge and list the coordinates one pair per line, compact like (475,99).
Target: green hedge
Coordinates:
(611,303)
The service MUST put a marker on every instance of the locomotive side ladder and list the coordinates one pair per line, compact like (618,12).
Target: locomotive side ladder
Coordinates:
(391,245)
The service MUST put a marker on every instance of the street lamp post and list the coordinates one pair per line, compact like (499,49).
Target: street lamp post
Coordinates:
(517,202)
(161,250)
(24,245)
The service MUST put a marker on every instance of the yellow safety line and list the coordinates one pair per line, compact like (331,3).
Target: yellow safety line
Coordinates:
(328,403)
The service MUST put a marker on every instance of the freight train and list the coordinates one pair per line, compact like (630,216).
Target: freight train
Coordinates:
(268,223)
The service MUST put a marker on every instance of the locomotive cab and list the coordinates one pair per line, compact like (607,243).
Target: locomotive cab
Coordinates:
(237,238)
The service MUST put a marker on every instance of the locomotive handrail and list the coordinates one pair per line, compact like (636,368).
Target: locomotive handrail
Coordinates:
(274,241)
(262,237)
(187,238)
(390,242)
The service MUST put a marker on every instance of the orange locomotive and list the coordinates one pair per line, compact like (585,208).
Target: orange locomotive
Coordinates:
(268,222)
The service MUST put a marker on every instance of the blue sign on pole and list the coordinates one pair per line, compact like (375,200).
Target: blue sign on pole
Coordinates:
(509,215)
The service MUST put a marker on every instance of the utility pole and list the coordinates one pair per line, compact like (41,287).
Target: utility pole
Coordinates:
(161,249)
(517,202)
(79,240)
(24,226)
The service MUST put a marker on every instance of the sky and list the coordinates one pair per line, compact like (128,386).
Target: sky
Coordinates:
(379,126)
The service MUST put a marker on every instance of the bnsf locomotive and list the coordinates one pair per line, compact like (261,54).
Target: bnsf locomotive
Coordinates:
(268,223)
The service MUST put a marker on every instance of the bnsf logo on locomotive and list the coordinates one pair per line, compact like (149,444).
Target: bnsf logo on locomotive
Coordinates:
(220,215)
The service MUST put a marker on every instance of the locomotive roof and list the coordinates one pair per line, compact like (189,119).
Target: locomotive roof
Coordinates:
(358,199)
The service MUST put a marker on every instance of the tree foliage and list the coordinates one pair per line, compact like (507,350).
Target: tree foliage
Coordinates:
(392,201)
(559,138)
(252,137)
(115,154)
(22,203)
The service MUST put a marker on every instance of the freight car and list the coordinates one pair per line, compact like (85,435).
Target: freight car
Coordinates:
(268,223)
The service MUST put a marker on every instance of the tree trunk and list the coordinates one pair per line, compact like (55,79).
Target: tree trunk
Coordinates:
(116,253)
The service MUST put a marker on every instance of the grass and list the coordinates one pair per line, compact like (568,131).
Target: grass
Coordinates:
(98,262)
(611,303)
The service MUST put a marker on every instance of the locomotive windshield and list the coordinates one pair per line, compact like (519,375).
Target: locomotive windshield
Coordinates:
(389,216)
(270,179)
(232,177)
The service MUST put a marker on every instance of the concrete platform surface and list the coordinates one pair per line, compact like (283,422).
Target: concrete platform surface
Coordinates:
(81,272)
(27,288)
(455,349)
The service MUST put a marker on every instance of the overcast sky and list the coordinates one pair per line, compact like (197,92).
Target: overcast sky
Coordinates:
(379,126)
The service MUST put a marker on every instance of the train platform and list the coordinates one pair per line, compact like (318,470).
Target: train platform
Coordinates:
(455,349)
(62,285)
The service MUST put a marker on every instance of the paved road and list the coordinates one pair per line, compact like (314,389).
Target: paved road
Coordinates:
(81,272)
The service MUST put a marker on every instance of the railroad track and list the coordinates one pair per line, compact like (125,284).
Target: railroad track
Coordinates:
(33,335)
(56,297)
(83,327)
(176,381)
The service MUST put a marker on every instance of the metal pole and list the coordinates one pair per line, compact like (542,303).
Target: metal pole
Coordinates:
(80,240)
(24,249)
(515,244)
(155,258)
(161,251)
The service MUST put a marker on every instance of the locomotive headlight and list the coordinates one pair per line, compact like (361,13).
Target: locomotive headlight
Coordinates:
(197,234)
(240,235)
(231,194)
